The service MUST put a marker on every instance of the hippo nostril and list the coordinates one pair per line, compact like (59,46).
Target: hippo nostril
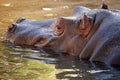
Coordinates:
(12,27)
(20,20)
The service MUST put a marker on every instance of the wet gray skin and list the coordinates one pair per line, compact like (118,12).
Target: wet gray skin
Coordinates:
(103,45)
(93,36)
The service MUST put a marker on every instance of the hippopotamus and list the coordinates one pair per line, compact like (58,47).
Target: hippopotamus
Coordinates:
(47,34)
(92,34)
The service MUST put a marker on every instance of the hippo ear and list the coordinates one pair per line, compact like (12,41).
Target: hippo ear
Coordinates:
(104,5)
(59,26)
(85,26)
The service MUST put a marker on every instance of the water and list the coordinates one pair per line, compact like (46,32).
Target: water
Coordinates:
(18,63)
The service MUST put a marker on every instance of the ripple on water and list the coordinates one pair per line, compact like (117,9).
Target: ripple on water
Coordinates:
(46,9)
(6,4)
(97,71)
(50,15)
(1,38)
(26,50)
(1,23)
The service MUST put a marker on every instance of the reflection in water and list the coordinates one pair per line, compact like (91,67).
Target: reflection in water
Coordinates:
(49,15)
(46,9)
(18,63)
(97,71)
(14,67)
(74,71)
(6,5)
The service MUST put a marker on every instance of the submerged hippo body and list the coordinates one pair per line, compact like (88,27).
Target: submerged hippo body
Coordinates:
(93,36)
(104,44)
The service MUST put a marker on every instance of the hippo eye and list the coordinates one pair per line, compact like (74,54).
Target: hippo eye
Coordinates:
(59,29)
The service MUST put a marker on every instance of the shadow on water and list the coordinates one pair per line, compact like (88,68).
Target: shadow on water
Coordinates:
(18,63)
(66,67)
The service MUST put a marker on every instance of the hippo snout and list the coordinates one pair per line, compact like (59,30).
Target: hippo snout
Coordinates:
(30,32)
(12,27)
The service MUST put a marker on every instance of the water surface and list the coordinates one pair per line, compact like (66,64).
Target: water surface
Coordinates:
(18,63)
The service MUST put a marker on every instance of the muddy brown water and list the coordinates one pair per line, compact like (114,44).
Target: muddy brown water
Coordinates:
(18,63)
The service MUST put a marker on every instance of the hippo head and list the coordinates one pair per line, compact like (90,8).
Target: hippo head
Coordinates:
(65,34)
